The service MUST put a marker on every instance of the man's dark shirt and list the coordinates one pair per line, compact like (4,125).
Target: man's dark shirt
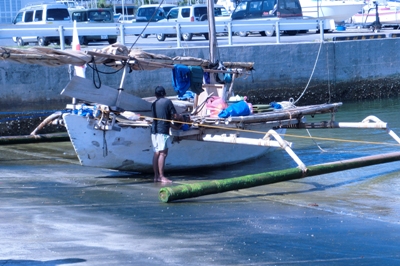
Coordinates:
(162,108)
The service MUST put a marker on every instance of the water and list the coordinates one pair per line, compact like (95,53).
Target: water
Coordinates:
(349,217)
(371,192)
(328,145)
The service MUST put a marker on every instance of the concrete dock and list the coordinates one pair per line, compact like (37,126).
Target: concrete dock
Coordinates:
(56,212)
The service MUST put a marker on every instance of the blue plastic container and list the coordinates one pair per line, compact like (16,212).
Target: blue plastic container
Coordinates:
(340,28)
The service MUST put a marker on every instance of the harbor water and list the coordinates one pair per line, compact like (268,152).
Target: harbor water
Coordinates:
(55,211)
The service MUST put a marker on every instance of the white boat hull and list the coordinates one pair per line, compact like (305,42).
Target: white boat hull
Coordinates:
(387,15)
(130,148)
(337,10)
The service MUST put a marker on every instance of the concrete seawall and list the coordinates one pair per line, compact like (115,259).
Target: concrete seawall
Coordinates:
(341,71)
(348,70)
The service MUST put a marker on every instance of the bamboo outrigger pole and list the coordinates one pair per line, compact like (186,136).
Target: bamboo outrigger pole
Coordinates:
(169,194)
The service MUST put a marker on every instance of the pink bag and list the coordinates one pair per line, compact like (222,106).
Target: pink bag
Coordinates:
(215,105)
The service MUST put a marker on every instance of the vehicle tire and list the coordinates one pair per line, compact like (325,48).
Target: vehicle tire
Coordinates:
(110,41)
(68,41)
(83,40)
(20,42)
(270,33)
(243,33)
(187,36)
(144,36)
(291,32)
(160,37)
(263,33)
(42,41)
(206,36)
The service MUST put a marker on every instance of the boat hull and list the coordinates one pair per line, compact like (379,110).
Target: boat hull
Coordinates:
(130,148)
(387,15)
(336,10)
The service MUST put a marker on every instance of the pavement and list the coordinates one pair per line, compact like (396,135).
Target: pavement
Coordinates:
(56,212)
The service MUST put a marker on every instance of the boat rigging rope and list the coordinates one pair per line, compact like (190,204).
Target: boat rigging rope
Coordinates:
(311,137)
(312,73)
(96,72)
(286,135)
(305,89)
(147,24)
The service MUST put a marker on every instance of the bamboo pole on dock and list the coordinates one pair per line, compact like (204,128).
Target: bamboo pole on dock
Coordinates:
(169,194)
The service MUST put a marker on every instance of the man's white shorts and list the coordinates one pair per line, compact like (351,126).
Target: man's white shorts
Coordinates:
(161,141)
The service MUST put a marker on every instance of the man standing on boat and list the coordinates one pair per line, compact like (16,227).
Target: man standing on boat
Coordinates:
(163,111)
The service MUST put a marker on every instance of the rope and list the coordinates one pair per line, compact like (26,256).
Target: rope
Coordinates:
(319,147)
(147,24)
(96,72)
(286,135)
(312,73)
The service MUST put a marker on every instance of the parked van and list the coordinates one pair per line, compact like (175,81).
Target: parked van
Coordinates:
(94,15)
(193,13)
(45,14)
(256,9)
(152,13)
(250,9)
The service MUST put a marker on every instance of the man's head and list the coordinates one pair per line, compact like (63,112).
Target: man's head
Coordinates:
(160,91)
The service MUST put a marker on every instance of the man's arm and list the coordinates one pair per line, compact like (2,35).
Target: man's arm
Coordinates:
(175,118)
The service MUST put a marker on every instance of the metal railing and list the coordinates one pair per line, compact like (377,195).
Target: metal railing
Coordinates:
(171,28)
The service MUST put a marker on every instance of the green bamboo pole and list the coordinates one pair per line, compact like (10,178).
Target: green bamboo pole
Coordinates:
(52,137)
(169,194)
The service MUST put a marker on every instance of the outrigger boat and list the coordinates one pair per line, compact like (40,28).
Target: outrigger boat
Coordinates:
(106,130)
(106,134)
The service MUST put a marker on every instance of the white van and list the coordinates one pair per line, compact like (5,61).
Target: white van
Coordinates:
(94,15)
(45,14)
(193,13)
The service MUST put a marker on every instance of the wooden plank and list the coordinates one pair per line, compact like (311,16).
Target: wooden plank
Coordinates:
(84,89)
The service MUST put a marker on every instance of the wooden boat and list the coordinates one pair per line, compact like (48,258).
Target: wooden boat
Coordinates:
(111,129)
(107,137)
(117,142)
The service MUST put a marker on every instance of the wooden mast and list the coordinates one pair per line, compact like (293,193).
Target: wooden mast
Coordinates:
(212,31)
(212,35)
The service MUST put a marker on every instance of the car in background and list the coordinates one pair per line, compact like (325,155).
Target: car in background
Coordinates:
(43,14)
(193,13)
(274,9)
(125,18)
(152,13)
(94,15)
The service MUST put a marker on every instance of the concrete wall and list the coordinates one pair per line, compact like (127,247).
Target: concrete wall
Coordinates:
(348,70)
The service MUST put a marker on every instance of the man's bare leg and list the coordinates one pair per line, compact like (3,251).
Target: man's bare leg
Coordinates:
(161,162)
(155,166)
